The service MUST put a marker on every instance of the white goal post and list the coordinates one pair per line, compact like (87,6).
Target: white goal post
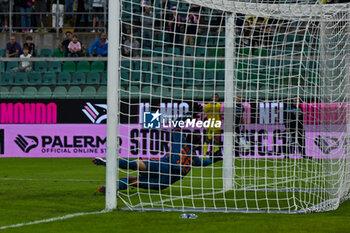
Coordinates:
(280,70)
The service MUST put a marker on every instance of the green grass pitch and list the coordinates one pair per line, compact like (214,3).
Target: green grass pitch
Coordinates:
(36,189)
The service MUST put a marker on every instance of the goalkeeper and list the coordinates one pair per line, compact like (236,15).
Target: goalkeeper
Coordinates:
(160,173)
(213,134)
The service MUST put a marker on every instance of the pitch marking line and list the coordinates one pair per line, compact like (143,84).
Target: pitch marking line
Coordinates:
(72,180)
(53,219)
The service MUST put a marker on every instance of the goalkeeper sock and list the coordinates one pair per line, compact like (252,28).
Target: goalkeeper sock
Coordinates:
(217,146)
(127,164)
(123,184)
(205,148)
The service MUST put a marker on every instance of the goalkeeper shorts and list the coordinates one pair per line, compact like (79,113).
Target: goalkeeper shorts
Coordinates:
(212,132)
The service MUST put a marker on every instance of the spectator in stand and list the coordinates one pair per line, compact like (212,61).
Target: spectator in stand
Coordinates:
(131,47)
(40,8)
(17,16)
(30,45)
(4,9)
(191,27)
(164,12)
(57,10)
(258,33)
(69,9)
(81,9)
(147,27)
(174,26)
(246,39)
(97,8)
(74,47)
(13,48)
(60,51)
(99,47)
(26,7)
(68,39)
(25,65)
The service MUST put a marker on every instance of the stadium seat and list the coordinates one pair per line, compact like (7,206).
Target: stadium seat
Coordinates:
(126,64)
(59,92)
(124,93)
(173,51)
(147,92)
(69,66)
(20,79)
(124,76)
(34,78)
(40,66)
(6,79)
(198,78)
(89,92)
(135,77)
(30,92)
(156,68)
(2,52)
(79,78)
(4,92)
(134,92)
(2,66)
(74,92)
(146,66)
(64,78)
(146,77)
(157,52)
(93,78)
(101,92)
(104,78)
(136,65)
(83,66)
(16,92)
(45,52)
(146,52)
(10,65)
(44,92)
(200,52)
(49,79)
(55,66)
(189,51)
(97,66)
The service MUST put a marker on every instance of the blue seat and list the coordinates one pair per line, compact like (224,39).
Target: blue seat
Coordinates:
(20,79)
(16,92)
(40,66)
(35,78)
(6,79)
(93,78)
(59,92)
(11,64)
(88,92)
(30,92)
(64,78)
(49,79)
(44,92)
(55,66)
(46,52)
(74,92)
(79,78)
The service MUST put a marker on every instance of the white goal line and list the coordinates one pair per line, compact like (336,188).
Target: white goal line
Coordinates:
(53,219)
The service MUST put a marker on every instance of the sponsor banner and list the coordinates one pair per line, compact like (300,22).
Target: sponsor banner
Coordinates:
(132,111)
(86,140)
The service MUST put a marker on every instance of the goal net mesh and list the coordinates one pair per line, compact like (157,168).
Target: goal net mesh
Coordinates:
(280,68)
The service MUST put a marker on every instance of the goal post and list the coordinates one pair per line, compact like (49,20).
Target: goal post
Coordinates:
(113,104)
(280,74)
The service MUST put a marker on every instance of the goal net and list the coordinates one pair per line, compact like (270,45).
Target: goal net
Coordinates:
(275,74)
